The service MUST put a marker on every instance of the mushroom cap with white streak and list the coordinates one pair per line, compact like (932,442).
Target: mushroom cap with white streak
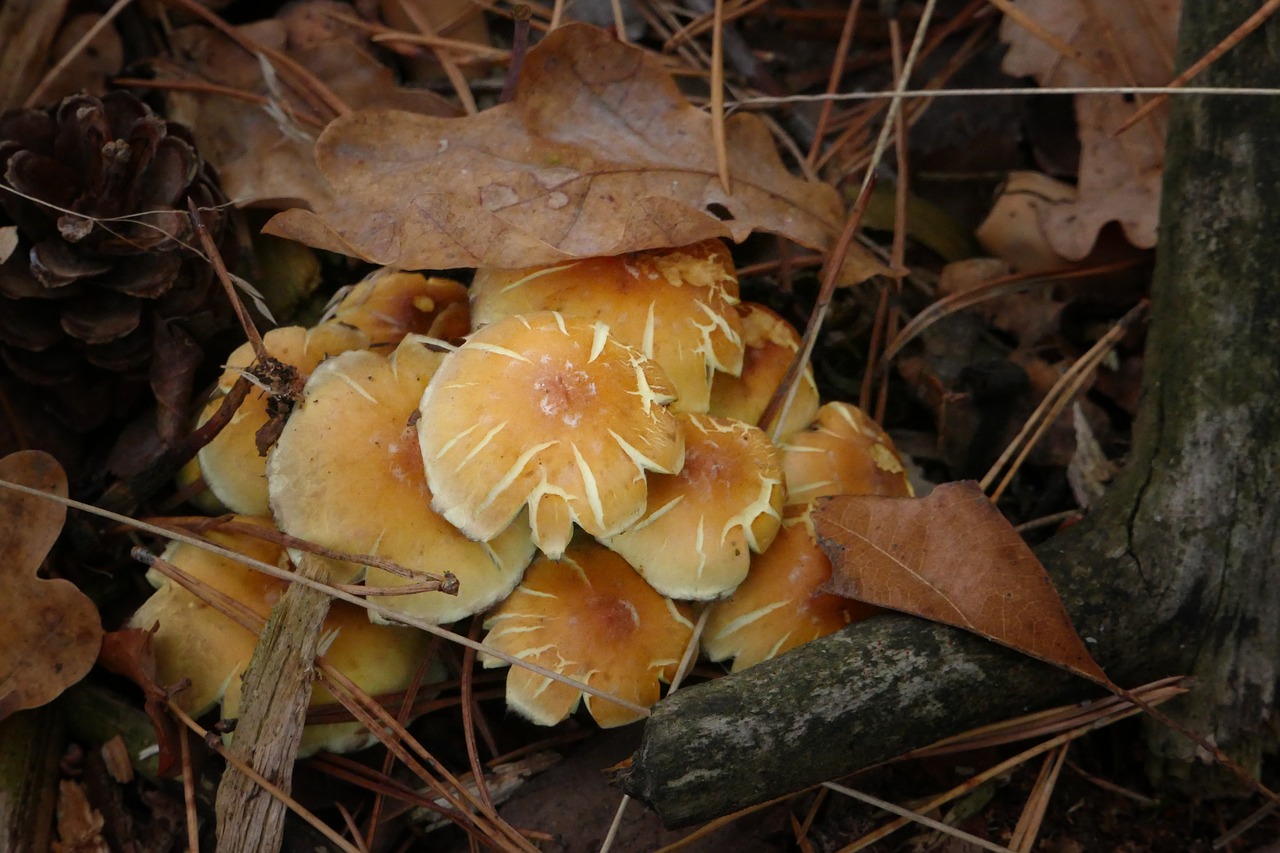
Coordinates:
(548,412)
(701,524)
(587,616)
(675,305)
(347,474)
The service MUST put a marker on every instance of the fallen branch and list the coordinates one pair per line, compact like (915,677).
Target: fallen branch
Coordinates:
(1173,572)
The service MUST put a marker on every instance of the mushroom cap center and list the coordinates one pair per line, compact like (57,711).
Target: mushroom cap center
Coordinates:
(565,394)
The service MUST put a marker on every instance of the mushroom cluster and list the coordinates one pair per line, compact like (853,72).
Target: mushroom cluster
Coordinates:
(602,412)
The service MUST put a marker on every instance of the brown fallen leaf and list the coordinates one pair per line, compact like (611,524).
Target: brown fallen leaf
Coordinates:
(1121,44)
(953,558)
(129,652)
(262,156)
(598,154)
(49,630)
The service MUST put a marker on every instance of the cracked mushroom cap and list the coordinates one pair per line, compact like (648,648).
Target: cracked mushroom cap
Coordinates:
(701,524)
(843,452)
(550,412)
(674,305)
(380,659)
(347,474)
(781,604)
(589,617)
(230,465)
(389,304)
(194,640)
(771,343)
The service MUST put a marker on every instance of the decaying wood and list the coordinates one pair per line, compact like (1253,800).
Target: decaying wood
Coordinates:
(1174,571)
(277,688)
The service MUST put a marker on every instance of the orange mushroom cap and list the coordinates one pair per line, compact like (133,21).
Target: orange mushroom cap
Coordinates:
(781,604)
(230,464)
(550,412)
(701,523)
(771,344)
(195,641)
(589,617)
(389,304)
(347,473)
(843,452)
(674,305)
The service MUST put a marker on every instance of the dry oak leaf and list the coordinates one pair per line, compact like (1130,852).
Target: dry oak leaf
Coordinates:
(953,558)
(49,630)
(598,154)
(1117,44)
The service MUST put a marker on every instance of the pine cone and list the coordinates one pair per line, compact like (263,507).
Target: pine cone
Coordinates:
(104,294)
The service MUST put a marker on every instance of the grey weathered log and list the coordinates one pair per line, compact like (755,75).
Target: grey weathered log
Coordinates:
(1176,571)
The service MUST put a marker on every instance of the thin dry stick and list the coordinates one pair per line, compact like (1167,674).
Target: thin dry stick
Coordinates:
(206,88)
(918,818)
(1254,21)
(898,250)
(1056,400)
(992,289)
(372,607)
(376,719)
(1032,26)
(519,47)
(1032,817)
(717,98)
(880,326)
(469,707)
(557,12)
(402,717)
(833,79)
(928,94)
(456,78)
(215,258)
(1116,714)
(682,669)
(292,804)
(776,412)
(76,49)
(619,22)
(352,828)
(702,23)
(189,794)
(308,86)
(229,523)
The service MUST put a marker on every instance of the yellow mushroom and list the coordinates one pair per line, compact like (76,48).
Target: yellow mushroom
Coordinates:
(347,474)
(674,305)
(590,617)
(701,524)
(548,412)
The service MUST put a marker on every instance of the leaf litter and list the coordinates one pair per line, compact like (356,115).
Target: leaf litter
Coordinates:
(598,154)
(950,557)
(49,630)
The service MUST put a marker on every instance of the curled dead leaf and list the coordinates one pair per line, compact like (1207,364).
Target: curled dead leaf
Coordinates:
(1130,44)
(598,154)
(953,558)
(49,630)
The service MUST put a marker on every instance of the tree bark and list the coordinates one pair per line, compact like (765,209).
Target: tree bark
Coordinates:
(1174,573)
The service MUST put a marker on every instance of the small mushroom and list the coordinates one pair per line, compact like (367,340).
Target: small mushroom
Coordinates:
(781,604)
(347,474)
(197,643)
(550,412)
(389,304)
(674,305)
(843,452)
(231,465)
(701,524)
(771,344)
(590,617)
